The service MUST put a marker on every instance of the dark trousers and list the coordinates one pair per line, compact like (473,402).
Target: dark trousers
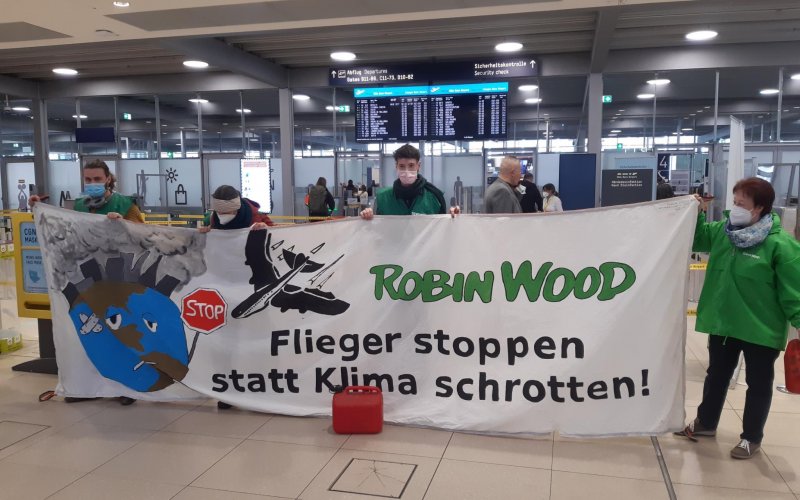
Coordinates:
(760,371)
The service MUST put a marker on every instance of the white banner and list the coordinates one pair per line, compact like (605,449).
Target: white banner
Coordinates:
(507,324)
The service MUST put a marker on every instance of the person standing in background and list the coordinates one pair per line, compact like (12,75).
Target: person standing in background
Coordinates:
(502,196)
(320,200)
(552,203)
(532,201)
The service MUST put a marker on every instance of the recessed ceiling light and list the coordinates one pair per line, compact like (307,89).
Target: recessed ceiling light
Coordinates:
(300,97)
(329,108)
(699,110)
(508,47)
(692,114)
(195,64)
(547,114)
(163,124)
(528,88)
(20,109)
(198,100)
(706,107)
(686,129)
(533,100)
(65,71)
(616,131)
(621,110)
(645,96)
(122,5)
(658,81)
(768,91)
(148,121)
(796,76)
(82,117)
(343,56)
(674,133)
(699,36)
(245,110)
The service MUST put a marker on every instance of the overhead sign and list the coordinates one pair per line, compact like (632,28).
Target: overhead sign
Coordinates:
(446,336)
(345,108)
(127,116)
(607,99)
(479,69)
(619,146)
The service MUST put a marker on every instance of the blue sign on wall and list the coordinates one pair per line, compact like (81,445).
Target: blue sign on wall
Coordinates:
(28,230)
(33,275)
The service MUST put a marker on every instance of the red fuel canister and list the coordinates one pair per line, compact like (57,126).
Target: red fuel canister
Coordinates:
(791,362)
(358,410)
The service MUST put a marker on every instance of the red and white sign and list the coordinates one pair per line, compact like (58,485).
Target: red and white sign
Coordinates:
(204,310)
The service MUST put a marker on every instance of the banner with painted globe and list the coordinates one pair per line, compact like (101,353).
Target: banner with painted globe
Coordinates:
(471,323)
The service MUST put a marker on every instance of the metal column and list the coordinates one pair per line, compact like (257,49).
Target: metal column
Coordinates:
(286,107)
(595,128)
(41,146)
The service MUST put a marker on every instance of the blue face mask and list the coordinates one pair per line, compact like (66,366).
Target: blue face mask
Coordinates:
(94,190)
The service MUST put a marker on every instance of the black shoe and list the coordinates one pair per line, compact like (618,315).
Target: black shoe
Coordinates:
(126,401)
(223,406)
(78,400)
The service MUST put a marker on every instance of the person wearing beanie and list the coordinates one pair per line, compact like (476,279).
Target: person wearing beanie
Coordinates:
(229,210)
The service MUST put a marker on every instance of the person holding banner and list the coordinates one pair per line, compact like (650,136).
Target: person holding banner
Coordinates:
(751,293)
(411,193)
(98,184)
(230,211)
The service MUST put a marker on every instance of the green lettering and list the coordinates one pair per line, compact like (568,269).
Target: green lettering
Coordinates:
(482,288)
(549,285)
(415,279)
(383,282)
(435,280)
(524,278)
(608,269)
(595,280)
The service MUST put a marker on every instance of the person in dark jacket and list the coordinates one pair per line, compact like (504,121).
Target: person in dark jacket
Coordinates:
(230,211)
(664,189)
(532,201)
(320,200)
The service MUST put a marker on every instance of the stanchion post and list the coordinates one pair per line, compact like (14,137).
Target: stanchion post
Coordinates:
(664,470)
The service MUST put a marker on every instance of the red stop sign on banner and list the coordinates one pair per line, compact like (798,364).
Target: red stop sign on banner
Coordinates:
(204,310)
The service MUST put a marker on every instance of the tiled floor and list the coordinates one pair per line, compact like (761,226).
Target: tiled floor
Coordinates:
(100,450)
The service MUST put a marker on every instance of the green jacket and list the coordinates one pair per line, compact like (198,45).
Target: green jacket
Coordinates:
(116,203)
(426,204)
(749,294)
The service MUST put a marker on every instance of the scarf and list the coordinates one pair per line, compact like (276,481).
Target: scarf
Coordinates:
(749,236)
(410,193)
(97,203)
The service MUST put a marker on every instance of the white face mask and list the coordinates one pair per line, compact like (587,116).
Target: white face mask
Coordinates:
(521,189)
(545,194)
(407,177)
(225,218)
(740,216)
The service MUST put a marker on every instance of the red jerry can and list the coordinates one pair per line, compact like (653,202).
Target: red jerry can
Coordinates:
(791,364)
(358,409)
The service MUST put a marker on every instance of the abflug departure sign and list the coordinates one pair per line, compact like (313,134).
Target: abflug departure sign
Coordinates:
(483,69)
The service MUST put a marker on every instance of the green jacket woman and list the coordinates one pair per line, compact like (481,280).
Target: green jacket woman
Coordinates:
(750,297)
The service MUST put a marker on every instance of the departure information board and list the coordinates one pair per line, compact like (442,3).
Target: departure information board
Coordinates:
(469,112)
(399,114)
(392,114)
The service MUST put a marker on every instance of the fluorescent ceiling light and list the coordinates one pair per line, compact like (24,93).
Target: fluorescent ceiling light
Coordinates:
(195,64)
(796,76)
(245,110)
(528,88)
(699,36)
(198,100)
(329,108)
(508,47)
(658,81)
(65,71)
(20,109)
(616,131)
(768,91)
(343,56)
(300,97)
(533,100)
(83,117)
(122,5)
(645,96)
(686,129)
